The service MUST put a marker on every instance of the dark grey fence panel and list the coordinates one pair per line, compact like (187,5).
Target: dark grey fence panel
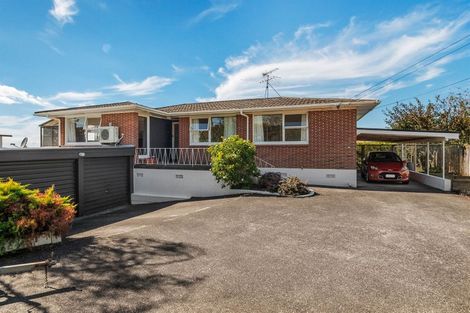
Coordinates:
(97,178)
(43,174)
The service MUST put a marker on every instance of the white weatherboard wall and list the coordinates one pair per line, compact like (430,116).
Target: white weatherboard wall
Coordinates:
(159,185)
(432,181)
(320,177)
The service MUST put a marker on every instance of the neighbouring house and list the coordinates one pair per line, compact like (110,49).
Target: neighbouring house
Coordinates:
(1,139)
(314,135)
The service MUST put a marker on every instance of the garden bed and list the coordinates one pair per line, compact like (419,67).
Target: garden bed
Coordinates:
(15,245)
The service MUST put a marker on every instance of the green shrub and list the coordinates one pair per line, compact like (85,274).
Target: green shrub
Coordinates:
(292,186)
(26,215)
(233,162)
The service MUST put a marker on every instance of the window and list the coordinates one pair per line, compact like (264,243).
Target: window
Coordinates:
(142,132)
(83,129)
(280,128)
(50,136)
(92,132)
(212,129)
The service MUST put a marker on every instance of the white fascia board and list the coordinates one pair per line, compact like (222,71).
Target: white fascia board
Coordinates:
(105,110)
(410,134)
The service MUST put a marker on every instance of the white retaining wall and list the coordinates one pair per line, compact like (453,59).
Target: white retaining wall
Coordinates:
(432,181)
(159,185)
(320,177)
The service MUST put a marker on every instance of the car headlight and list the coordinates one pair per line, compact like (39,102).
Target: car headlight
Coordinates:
(374,168)
(404,168)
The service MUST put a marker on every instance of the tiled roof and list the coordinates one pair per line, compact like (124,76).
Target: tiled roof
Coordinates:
(250,103)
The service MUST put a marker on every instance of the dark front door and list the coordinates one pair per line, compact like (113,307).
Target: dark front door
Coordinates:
(175,135)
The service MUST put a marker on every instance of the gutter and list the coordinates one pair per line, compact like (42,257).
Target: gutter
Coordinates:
(247,123)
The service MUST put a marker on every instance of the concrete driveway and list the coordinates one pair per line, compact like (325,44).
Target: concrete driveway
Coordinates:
(341,251)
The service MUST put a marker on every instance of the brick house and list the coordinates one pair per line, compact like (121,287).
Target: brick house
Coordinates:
(313,138)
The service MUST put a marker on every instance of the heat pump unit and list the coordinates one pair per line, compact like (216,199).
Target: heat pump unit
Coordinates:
(109,134)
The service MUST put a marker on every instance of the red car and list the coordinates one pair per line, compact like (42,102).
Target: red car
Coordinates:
(385,166)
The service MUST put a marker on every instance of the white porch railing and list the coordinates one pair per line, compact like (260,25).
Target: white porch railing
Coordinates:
(181,157)
(173,156)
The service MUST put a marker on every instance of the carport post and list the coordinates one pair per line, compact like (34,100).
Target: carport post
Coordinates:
(402,151)
(444,159)
(427,158)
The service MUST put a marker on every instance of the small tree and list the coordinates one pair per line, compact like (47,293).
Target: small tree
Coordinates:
(233,162)
(451,113)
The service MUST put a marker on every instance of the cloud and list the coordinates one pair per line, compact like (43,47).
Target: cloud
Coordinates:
(177,69)
(72,96)
(20,127)
(27,126)
(217,10)
(148,86)
(358,54)
(106,48)
(63,11)
(10,95)
(232,62)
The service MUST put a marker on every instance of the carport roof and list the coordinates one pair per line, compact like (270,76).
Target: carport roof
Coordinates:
(393,135)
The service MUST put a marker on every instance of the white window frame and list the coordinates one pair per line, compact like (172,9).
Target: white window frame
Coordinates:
(283,141)
(209,123)
(66,122)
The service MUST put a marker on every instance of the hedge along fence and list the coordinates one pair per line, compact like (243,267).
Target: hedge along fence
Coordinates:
(27,215)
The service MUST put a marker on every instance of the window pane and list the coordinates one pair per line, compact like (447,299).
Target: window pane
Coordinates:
(217,129)
(92,129)
(272,127)
(76,129)
(47,136)
(200,124)
(268,128)
(55,136)
(199,136)
(296,134)
(230,126)
(142,132)
(295,120)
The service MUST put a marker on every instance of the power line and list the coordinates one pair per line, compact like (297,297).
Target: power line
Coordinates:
(429,63)
(413,65)
(422,94)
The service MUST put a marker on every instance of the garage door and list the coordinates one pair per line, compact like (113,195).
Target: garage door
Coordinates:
(107,184)
(43,174)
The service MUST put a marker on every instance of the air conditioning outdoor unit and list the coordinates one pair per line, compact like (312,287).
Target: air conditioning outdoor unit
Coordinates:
(109,134)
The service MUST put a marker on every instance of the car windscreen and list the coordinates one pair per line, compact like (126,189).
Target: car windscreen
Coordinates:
(384,157)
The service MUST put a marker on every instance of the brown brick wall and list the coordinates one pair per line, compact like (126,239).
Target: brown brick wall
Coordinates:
(184,132)
(128,124)
(332,142)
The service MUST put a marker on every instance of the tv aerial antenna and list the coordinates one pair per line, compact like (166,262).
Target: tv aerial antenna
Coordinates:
(268,77)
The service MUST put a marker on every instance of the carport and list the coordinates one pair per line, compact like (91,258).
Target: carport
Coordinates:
(425,152)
